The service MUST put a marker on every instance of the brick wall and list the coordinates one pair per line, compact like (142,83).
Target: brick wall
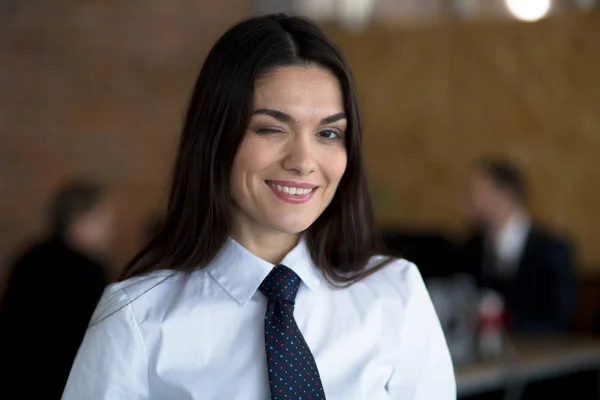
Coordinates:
(100,88)
(96,87)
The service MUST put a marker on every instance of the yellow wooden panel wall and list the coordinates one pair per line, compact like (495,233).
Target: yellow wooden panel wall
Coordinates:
(436,97)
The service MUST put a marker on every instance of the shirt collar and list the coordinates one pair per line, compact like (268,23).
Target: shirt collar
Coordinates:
(513,235)
(240,272)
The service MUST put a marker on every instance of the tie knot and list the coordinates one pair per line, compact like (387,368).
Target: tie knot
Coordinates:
(281,284)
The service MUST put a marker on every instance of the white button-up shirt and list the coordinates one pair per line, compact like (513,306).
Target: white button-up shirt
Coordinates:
(510,242)
(200,335)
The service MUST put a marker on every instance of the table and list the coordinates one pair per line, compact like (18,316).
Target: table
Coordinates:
(531,359)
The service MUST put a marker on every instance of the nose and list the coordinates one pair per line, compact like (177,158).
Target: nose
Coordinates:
(300,157)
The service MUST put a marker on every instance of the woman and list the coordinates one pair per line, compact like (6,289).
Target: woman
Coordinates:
(263,282)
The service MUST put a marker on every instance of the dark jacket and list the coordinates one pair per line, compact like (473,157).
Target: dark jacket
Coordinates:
(540,296)
(50,298)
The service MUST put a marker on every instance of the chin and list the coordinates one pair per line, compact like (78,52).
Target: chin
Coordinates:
(292,225)
(292,229)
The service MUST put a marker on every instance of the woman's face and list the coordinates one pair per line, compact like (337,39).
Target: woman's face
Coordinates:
(293,155)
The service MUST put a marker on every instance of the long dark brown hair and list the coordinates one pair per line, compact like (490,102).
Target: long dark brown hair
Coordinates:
(198,219)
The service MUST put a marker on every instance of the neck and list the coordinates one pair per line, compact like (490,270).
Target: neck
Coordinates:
(78,245)
(270,246)
(501,221)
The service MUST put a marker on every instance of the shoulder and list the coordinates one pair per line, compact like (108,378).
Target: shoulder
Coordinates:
(399,289)
(138,293)
(473,237)
(34,252)
(469,248)
(390,265)
(393,276)
(548,239)
(31,262)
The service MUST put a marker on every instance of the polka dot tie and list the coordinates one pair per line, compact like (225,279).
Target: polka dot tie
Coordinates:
(293,373)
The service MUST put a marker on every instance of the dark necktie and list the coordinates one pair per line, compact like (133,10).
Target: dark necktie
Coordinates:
(293,373)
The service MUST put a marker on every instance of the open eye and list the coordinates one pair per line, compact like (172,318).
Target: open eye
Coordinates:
(329,135)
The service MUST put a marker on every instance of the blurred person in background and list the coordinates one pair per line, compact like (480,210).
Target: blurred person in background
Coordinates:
(530,267)
(52,292)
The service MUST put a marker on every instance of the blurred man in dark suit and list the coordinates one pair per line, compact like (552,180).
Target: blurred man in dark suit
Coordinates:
(529,266)
(52,293)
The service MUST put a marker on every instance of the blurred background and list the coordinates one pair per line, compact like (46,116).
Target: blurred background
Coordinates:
(98,89)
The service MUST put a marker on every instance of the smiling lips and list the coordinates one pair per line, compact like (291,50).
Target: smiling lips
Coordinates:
(292,192)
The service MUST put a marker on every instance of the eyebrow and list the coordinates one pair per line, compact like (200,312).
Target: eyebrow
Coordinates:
(283,117)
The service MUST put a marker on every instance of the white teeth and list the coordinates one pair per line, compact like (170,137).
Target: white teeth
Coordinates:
(290,190)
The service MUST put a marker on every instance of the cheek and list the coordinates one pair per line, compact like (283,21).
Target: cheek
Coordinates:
(254,155)
(335,166)
(249,165)
(242,164)
(476,197)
